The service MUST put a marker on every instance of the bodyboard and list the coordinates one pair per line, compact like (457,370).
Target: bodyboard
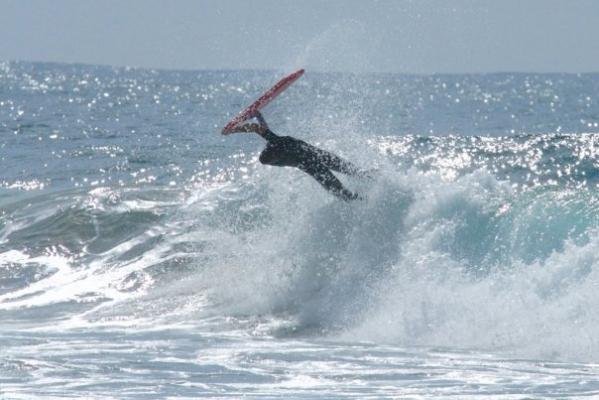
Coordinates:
(266,98)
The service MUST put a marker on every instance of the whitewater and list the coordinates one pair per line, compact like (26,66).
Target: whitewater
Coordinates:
(145,256)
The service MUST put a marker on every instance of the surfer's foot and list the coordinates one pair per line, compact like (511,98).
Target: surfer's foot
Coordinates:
(346,195)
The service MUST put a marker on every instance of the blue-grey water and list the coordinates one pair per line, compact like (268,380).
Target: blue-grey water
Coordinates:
(145,256)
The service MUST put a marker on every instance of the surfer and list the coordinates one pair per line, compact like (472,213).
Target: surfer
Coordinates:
(286,151)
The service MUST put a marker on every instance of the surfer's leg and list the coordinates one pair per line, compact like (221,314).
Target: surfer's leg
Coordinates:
(336,163)
(326,178)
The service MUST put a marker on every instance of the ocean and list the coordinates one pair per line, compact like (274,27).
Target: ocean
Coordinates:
(143,255)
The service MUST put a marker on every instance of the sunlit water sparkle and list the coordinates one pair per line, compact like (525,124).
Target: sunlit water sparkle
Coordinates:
(143,255)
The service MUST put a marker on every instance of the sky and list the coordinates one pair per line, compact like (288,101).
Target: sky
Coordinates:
(442,36)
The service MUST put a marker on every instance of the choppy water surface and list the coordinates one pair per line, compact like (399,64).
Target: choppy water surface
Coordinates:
(143,255)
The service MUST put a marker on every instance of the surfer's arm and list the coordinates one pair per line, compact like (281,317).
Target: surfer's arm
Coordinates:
(264,130)
(255,128)
(261,129)
(261,120)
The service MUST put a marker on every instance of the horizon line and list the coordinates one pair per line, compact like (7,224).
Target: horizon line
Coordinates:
(278,69)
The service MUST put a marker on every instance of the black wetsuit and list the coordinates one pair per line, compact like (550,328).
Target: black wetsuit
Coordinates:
(286,151)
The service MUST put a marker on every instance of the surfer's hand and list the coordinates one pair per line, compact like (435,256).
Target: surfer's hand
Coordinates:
(247,128)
